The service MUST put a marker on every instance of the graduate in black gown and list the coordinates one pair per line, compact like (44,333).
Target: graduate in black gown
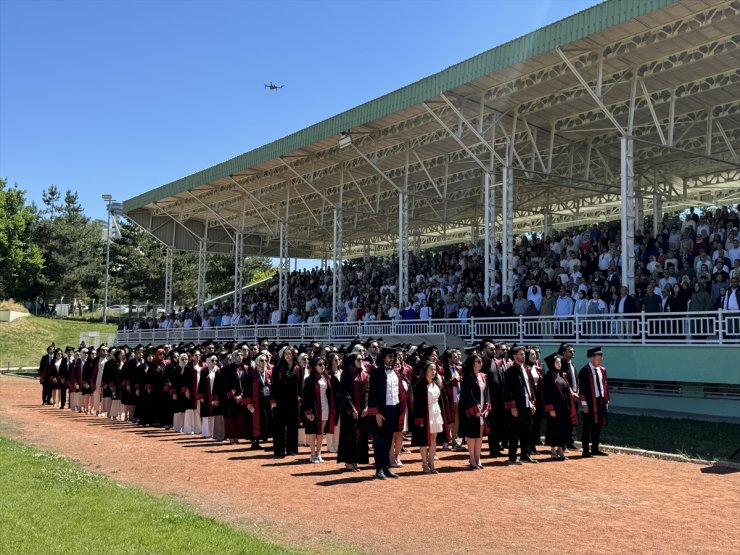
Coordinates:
(235,380)
(558,408)
(287,383)
(259,414)
(473,408)
(318,406)
(352,406)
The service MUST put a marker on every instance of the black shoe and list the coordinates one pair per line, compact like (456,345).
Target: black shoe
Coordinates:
(586,455)
(528,459)
(515,461)
(388,472)
(600,453)
(379,475)
(497,454)
(255,446)
(279,455)
(291,453)
(534,451)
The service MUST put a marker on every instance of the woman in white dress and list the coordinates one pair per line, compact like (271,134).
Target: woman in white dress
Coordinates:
(428,420)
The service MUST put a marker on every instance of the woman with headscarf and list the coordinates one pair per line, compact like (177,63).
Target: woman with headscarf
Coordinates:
(353,450)
(178,404)
(189,387)
(235,380)
(559,407)
(317,407)
(427,414)
(259,415)
(473,408)
(284,399)
(210,394)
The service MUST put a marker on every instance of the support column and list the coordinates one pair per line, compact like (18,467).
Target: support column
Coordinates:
(202,265)
(489,230)
(657,212)
(284,267)
(403,239)
(627,179)
(366,251)
(547,217)
(238,270)
(639,213)
(169,259)
(508,231)
(337,252)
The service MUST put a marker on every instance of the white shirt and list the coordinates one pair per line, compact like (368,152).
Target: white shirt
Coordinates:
(391,387)
(527,393)
(324,401)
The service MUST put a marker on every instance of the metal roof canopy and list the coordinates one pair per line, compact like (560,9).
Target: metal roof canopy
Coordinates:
(560,95)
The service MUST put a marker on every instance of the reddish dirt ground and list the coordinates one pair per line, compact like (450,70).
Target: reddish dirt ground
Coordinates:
(616,504)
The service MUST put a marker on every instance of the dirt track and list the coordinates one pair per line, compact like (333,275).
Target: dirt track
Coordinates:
(617,504)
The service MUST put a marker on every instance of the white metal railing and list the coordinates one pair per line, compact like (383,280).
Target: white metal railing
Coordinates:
(715,328)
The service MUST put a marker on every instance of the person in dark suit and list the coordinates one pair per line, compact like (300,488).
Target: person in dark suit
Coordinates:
(520,402)
(46,360)
(287,384)
(594,396)
(494,369)
(384,400)
(65,371)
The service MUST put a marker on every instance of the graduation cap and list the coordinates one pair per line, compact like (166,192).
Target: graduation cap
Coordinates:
(550,360)
(261,339)
(563,347)
(68,349)
(385,351)
(342,349)
(470,349)
(427,351)
(594,351)
(139,346)
(368,342)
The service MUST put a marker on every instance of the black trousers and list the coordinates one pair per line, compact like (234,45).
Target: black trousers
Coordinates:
(62,395)
(285,427)
(591,433)
(383,437)
(499,425)
(46,389)
(520,430)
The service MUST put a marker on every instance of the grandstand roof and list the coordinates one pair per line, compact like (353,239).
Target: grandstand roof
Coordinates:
(561,92)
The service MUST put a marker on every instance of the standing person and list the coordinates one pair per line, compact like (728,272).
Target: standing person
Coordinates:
(146,387)
(494,369)
(317,407)
(53,372)
(534,370)
(566,352)
(46,361)
(352,450)
(210,393)
(594,397)
(259,415)
(287,383)
(75,381)
(65,370)
(520,402)
(428,420)
(189,387)
(235,379)
(384,409)
(402,424)
(559,407)
(97,379)
(168,401)
(108,385)
(86,385)
(116,410)
(176,379)
(128,384)
(452,378)
(474,407)
(334,372)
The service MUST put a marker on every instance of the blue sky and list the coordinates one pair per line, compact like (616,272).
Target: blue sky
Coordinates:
(121,97)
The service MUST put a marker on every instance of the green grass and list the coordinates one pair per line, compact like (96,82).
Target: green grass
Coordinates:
(23,342)
(51,505)
(692,438)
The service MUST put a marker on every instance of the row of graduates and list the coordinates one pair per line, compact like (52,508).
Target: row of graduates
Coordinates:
(255,394)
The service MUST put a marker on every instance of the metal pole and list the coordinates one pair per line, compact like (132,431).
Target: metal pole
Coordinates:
(107,267)
(403,240)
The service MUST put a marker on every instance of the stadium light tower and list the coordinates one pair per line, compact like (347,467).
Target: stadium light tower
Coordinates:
(107,198)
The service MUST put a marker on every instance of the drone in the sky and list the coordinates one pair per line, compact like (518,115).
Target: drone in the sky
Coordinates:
(273,87)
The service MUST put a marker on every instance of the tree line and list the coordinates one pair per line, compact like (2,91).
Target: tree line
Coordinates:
(55,251)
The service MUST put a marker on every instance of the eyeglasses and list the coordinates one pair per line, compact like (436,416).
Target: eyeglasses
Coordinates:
(319,364)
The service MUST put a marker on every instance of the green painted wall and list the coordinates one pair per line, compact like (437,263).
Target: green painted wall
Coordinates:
(726,409)
(689,364)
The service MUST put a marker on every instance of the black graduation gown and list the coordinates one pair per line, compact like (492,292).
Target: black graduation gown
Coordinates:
(557,398)
(419,423)
(287,384)
(147,385)
(129,379)
(258,387)
(87,377)
(110,379)
(353,448)
(469,407)
(311,405)
(189,384)
(234,409)
(208,395)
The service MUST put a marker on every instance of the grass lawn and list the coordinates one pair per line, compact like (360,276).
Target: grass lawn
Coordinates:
(692,438)
(51,505)
(24,341)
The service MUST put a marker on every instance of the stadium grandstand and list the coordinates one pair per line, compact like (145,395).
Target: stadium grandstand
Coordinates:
(596,158)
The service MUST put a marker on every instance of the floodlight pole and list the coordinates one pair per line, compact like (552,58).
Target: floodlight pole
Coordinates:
(108,199)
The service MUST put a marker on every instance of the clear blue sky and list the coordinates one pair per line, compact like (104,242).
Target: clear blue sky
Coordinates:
(123,96)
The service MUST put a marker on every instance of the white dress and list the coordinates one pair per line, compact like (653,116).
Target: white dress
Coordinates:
(436,423)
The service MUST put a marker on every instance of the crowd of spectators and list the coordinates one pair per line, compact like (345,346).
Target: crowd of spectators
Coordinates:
(692,264)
